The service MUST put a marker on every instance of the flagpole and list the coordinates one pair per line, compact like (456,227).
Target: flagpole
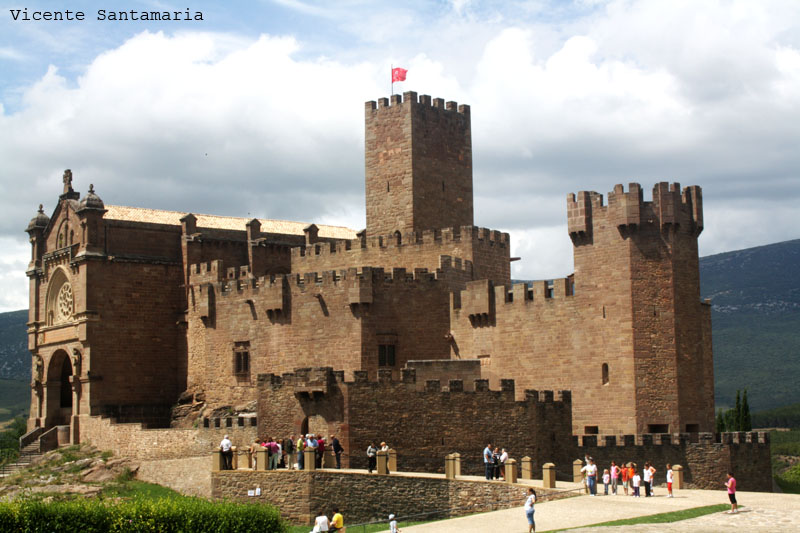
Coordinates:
(391,76)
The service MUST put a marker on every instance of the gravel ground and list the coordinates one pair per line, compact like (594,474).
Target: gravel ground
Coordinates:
(761,512)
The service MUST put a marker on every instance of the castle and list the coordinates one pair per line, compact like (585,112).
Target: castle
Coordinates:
(134,310)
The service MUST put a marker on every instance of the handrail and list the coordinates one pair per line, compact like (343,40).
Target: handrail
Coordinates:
(49,440)
(30,437)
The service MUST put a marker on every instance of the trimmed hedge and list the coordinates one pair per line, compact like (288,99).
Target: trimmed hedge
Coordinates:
(169,516)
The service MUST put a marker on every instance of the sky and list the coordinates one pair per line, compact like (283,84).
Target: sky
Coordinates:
(257,110)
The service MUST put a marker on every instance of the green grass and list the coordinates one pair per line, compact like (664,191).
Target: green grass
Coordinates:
(132,489)
(371,528)
(663,518)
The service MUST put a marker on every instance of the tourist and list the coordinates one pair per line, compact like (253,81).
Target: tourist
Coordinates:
(289,447)
(393,525)
(606,481)
(669,480)
(503,460)
(625,479)
(496,462)
(337,451)
(227,453)
(631,473)
(385,448)
(274,453)
(529,501)
(636,480)
(614,478)
(591,476)
(337,522)
(372,453)
(253,455)
(321,522)
(320,451)
(731,486)
(487,461)
(649,478)
(300,446)
(312,444)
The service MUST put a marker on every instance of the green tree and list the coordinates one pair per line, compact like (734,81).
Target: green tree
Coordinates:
(747,421)
(719,424)
(737,415)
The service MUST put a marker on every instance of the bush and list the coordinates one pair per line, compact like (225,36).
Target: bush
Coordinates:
(186,515)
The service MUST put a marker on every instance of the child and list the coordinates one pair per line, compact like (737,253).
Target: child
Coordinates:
(669,480)
(625,480)
(606,480)
(637,480)
(393,524)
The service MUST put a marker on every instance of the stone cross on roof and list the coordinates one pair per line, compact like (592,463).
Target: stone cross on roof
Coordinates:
(67,181)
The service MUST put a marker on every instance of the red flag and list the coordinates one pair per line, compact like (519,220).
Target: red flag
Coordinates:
(398,74)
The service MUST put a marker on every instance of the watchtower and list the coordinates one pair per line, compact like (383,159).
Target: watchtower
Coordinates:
(418,157)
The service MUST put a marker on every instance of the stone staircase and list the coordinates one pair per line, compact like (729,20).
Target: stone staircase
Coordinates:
(27,455)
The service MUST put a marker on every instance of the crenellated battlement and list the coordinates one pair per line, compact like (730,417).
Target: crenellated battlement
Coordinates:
(212,280)
(482,298)
(322,380)
(647,440)
(671,207)
(457,235)
(409,98)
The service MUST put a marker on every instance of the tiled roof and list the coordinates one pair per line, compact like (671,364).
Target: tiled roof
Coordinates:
(286,227)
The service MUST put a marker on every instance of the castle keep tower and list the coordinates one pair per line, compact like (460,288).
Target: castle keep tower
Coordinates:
(418,161)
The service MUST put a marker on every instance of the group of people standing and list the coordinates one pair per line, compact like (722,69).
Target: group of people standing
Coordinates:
(628,475)
(494,462)
(286,453)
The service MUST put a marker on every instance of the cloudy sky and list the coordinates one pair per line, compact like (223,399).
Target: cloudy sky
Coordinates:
(257,110)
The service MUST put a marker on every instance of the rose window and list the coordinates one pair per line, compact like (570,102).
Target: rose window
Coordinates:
(64,303)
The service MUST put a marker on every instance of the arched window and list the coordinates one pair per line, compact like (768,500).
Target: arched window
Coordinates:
(605,373)
(60,300)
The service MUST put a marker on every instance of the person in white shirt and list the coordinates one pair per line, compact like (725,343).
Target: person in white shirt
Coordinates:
(503,459)
(636,481)
(669,481)
(393,525)
(321,523)
(529,510)
(591,476)
(227,453)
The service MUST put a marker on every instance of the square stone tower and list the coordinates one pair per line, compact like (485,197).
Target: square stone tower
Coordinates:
(418,158)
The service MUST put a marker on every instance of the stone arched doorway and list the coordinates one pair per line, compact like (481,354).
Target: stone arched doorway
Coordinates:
(315,424)
(58,390)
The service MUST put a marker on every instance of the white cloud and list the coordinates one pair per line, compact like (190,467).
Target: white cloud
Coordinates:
(13,282)
(704,94)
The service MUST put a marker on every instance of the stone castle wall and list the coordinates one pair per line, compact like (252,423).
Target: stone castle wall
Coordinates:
(362,497)
(332,318)
(705,457)
(423,426)
(135,441)
(627,333)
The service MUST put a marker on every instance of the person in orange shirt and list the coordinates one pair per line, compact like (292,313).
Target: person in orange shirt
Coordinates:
(624,472)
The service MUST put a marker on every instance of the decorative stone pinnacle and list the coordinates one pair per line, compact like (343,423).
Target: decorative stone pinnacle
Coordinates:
(41,208)
(67,179)
(91,188)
